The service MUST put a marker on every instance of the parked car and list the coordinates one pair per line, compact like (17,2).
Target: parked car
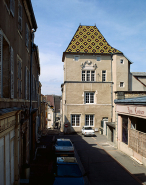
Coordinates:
(64,147)
(88,131)
(67,171)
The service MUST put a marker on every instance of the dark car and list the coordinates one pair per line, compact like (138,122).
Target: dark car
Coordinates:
(67,172)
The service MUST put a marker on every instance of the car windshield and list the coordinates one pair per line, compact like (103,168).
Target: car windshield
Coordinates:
(68,170)
(63,143)
(88,128)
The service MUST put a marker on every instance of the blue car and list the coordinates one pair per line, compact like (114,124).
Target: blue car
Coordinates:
(67,172)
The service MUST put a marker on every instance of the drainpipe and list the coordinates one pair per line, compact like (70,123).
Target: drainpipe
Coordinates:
(30,108)
(111,89)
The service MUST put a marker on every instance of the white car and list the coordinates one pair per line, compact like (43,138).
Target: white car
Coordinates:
(64,148)
(88,131)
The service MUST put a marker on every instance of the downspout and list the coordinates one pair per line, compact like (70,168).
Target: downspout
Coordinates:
(111,88)
(30,107)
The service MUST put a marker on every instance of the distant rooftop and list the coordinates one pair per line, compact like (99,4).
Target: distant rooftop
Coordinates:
(139,73)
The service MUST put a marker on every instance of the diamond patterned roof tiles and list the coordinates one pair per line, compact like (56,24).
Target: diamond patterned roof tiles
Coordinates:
(88,39)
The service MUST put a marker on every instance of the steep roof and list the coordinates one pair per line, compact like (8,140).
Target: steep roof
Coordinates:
(88,39)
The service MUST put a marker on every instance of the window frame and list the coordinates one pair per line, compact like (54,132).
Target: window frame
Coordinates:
(27,34)
(20,16)
(122,85)
(90,116)
(75,116)
(98,58)
(19,78)
(76,57)
(103,76)
(121,61)
(12,7)
(88,75)
(89,97)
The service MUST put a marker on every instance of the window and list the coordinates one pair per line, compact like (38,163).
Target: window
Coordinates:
(6,68)
(75,120)
(20,17)
(19,78)
(89,120)
(12,73)
(103,76)
(121,84)
(27,82)
(89,97)
(27,36)
(88,75)
(12,6)
(122,61)
(98,58)
(76,58)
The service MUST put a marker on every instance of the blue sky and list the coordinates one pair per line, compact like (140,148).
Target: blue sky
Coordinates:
(121,22)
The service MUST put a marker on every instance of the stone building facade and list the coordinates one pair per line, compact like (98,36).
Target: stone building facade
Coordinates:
(93,71)
(19,88)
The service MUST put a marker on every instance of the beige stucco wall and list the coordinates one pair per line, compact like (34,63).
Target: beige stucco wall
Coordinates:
(73,72)
(136,85)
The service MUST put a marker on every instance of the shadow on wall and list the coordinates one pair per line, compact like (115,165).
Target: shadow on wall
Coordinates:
(67,129)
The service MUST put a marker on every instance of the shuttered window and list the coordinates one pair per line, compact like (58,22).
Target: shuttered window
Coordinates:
(29,84)
(12,6)
(26,76)
(12,73)
(1,62)
(19,17)
(27,36)
(19,78)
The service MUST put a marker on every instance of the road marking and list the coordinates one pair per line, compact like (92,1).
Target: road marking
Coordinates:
(93,138)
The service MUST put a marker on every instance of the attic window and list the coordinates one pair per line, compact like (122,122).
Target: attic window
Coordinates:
(76,58)
(98,58)
(122,61)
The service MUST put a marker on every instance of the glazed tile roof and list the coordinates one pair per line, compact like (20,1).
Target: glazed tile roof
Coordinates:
(88,39)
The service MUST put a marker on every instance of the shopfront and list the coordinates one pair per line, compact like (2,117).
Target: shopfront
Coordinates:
(131,127)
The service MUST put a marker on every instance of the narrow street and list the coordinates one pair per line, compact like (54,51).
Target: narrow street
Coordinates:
(98,159)
(102,163)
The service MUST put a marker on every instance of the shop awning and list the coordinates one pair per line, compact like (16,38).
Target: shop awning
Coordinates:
(111,124)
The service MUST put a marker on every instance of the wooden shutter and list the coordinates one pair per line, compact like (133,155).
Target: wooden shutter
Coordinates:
(12,73)
(27,36)
(29,84)
(1,64)
(19,78)
(12,6)
(26,83)
(20,17)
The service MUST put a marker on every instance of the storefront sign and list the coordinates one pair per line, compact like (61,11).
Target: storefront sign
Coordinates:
(133,110)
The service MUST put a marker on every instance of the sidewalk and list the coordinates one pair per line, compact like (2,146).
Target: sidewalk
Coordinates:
(136,170)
